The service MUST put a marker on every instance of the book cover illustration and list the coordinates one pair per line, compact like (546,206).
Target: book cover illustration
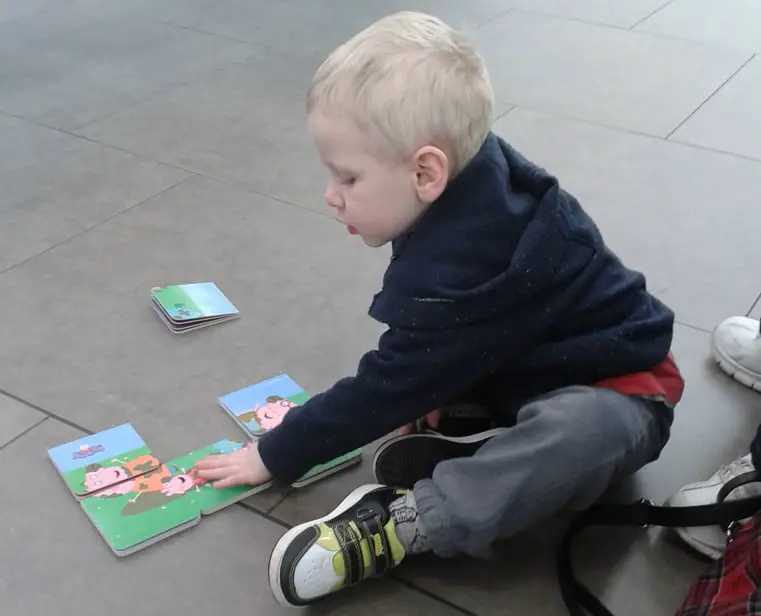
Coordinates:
(102,462)
(262,406)
(162,502)
(193,301)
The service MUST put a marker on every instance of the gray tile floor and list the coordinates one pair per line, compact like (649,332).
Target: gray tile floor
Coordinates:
(145,142)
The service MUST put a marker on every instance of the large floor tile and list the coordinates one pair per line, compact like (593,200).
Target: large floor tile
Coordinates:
(610,76)
(686,217)
(56,185)
(245,125)
(312,29)
(621,14)
(220,562)
(634,571)
(77,64)
(731,120)
(15,419)
(99,355)
(13,9)
(168,11)
(732,23)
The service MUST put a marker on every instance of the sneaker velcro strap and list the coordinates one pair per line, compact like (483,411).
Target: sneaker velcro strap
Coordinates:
(350,539)
(348,542)
(381,559)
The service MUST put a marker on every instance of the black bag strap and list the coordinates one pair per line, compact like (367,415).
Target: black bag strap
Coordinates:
(579,600)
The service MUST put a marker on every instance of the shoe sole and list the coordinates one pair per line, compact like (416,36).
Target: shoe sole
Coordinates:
(698,546)
(278,552)
(736,371)
(417,455)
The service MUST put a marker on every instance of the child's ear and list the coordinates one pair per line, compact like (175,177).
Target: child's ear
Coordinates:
(431,173)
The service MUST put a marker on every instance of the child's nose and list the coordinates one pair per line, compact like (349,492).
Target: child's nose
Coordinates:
(332,196)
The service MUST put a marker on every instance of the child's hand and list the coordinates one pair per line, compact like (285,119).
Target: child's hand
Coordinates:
(432,419)
(244,467)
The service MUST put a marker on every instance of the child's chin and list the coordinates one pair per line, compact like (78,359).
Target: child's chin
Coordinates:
(374,242)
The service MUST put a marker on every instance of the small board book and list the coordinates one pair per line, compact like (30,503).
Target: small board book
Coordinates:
(262,406)
(134,511)
(187,307)
(98,462)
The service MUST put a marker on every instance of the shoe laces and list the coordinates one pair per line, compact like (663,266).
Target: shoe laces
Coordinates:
(734,468)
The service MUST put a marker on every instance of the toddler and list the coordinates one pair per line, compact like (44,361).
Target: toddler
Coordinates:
(500,296)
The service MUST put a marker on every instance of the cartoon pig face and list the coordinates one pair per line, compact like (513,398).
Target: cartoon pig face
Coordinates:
(179,484)
(271,414)
(104,476)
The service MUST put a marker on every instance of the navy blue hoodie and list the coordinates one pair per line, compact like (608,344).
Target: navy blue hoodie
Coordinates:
(504,289)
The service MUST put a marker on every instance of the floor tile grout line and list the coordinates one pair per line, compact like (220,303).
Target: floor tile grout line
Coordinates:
(24,433)
(710,96)
(693,327)
(573,20)
(697,146)
(157,161)
(178,26)
(280,502)
(656,35)
(753,305)
(44,411)
(94,226)
(395,578)
(434,597)
(571,118)
(493,18)
(646,17)
(226,37)
(504,113)
(634,132)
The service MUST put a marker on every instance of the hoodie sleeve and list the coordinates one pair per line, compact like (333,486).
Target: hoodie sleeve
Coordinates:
(411,373)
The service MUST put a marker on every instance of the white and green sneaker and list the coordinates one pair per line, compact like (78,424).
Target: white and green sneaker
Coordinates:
(355,541)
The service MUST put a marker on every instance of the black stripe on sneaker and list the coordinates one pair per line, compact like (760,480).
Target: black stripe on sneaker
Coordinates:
(348,542)
(380,562)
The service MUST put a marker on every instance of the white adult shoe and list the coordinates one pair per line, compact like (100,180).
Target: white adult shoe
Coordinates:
(711,541)
(736,346)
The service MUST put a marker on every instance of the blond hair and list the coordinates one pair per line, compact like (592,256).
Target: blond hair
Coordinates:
(409,80)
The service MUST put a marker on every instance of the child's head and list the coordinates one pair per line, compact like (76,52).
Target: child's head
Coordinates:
(396,112)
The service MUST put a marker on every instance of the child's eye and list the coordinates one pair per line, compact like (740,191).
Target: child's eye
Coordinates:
(349,181)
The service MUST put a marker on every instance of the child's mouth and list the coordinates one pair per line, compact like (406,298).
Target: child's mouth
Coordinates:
(351,229)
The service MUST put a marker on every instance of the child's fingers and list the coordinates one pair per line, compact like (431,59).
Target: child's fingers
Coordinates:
(212,461)
(212,473)
(236,479)
(226,483)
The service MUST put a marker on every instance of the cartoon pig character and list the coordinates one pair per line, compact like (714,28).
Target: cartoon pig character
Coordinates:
(270,414)
(118,477)
(183,483)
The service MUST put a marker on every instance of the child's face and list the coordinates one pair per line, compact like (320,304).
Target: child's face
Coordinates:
(375,199)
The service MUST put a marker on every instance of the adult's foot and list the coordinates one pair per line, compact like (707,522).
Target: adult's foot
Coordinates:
(736,347)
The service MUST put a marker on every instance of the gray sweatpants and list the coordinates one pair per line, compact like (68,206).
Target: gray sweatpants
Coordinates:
(563,452)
